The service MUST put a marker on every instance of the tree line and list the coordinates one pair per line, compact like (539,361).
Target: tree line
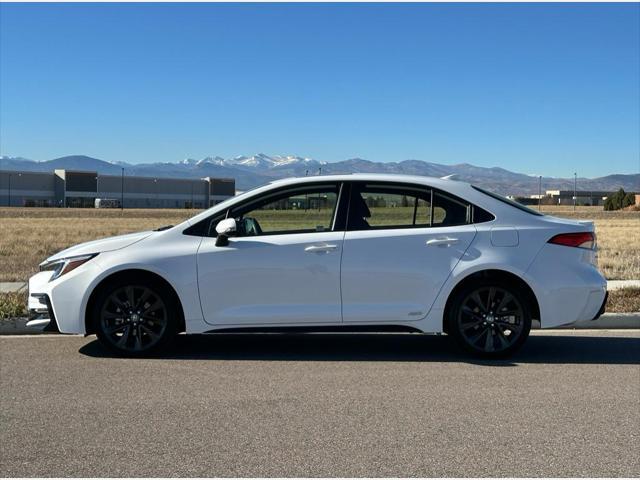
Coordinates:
(619,200)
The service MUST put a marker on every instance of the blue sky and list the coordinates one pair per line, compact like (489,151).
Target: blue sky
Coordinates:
(544,88)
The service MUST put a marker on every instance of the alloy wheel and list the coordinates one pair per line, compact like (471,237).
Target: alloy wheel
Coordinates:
(133,318)
(490,319)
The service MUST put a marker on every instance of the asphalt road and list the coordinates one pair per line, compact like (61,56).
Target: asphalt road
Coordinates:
(329,405)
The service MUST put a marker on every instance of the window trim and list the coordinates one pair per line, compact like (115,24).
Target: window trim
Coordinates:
(341,215)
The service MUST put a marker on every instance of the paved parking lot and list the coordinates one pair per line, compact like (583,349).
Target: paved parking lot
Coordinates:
(330,405)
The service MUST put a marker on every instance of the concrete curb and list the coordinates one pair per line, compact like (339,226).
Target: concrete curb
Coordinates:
(618,284)
(10,287)
(608,321)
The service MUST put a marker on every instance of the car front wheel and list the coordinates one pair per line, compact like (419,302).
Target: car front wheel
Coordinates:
(490,319)
(135,318)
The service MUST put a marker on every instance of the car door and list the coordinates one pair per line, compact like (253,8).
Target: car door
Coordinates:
(284,265)
(401,244)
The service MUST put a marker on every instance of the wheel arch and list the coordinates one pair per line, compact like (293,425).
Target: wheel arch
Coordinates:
(497,274)
(127,273)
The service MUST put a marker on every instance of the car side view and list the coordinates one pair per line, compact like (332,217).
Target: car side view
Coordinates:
(340,252)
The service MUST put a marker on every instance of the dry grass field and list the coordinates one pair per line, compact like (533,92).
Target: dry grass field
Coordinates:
(618,236)
(29,235)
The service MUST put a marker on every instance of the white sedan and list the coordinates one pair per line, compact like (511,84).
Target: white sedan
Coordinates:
(343,252)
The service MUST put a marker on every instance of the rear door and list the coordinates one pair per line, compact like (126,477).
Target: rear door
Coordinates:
(401,244)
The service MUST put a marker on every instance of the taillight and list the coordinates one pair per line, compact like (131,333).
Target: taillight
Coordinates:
(578,239)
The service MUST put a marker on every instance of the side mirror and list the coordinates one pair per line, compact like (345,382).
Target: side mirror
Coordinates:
(225,228)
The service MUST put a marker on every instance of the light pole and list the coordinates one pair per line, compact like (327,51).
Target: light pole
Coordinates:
(539,191)
(122,190)
(306,195)
(575,190)
(155,185)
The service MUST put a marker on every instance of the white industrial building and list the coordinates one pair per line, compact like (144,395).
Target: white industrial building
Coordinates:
(73,188)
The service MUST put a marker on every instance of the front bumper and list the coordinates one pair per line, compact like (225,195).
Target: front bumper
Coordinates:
(63,300)
(41,314)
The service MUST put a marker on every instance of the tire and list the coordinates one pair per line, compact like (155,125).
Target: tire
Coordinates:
(135,316)
(475,323)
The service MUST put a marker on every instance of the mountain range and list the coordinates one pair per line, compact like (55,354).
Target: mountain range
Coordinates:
(250,171)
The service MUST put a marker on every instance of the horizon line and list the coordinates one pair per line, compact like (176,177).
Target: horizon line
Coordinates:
(322,162)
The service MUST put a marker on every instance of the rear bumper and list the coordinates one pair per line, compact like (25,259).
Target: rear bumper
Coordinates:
(602,307)
(569,288)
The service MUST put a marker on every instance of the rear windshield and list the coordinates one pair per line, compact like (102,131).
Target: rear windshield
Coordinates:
(517,205)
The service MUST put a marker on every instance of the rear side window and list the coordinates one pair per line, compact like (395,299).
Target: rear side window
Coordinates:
(508,202)
(389,206)
(449,212)
(480,216)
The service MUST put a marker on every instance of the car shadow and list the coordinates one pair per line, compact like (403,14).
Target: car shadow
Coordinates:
(387,348)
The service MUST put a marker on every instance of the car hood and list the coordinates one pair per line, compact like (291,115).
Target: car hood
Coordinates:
(102,245)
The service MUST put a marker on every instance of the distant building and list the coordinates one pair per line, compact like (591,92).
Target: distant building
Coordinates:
(73,188)
(583,197)
(565,197)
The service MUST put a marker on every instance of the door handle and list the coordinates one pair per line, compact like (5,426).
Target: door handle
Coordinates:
(446,241)
(325,248)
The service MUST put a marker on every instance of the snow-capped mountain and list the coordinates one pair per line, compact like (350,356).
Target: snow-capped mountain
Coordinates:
(259,160)
(262,160)
(250,171)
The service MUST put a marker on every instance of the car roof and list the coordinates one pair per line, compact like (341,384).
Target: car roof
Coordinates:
(444,183)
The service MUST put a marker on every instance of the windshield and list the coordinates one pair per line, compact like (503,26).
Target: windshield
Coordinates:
(517,205)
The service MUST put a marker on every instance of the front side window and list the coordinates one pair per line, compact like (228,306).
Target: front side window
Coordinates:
(303,210)
(382,206)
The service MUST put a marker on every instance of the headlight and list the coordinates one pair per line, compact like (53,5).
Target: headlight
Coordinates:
(64,265)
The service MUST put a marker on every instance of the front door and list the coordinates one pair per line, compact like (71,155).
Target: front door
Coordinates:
(284,265)
(401,244)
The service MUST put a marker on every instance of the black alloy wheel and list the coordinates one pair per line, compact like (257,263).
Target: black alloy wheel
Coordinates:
(135,319)
(490,319)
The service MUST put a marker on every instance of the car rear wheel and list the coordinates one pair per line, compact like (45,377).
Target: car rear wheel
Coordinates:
(490,319)
(135,318)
